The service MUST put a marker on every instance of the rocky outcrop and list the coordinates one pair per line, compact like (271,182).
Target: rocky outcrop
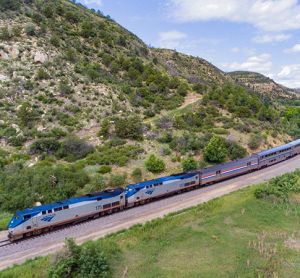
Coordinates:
(40,57)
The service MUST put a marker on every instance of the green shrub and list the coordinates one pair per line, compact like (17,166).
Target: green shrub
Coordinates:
(129,128)
(74,148)
(235,151)
(137,175)
(65,88)
(80,261)
(27,115)
(117,180)
(5,33)
(104,169)
(216,150)
(189,164)
(9,5)
(30,30)
(255,141)
(155,164)
(49,146)
(279,189)
(42,74)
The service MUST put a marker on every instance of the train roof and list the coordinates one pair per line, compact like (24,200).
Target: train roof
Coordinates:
(228,164)
(89,197)
(276,149)
(162,179)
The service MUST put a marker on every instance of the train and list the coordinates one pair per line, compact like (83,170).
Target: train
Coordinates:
(41,219)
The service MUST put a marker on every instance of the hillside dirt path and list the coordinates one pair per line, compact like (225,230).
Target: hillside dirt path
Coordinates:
(43,245)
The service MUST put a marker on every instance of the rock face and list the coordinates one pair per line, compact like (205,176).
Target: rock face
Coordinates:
(3,77)
(3,55)
(40,57)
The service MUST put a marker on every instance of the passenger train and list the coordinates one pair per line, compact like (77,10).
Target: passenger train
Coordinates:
(40,219)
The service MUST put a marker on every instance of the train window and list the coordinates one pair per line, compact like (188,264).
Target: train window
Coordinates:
(115,204)
(28,227)
(50,211)
(58,209)
(99,199)
(218,172)
(26,217)
(44,212)
(121,197)
(106,206)
(249,164)
(65,207)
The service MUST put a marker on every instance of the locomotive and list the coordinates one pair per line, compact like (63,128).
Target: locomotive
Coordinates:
(41,219)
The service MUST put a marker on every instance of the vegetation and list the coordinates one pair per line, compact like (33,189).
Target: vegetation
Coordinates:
(237,235)
(216,150)
(155,164)
(22,187)
(77,261)
(189,164)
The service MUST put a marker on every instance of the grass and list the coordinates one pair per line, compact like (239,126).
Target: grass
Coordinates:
(233,236)
(4,219)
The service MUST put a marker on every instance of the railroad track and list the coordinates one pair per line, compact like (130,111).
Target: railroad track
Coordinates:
(4,243)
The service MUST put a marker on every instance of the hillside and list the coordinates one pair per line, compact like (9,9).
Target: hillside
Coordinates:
(261,84)
(84,103)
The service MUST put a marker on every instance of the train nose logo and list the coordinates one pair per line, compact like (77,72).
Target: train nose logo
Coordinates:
(47,218)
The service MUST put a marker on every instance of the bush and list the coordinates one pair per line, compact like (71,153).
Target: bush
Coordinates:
(255,141)
(104,169)
(279,189)
(5,34)
(155,164)
(42,74)
(215,151)
(9,5)
(117,180)
(30,30)
(189,164)
(49,146)
(137,175)
(80,261)
(235,151)
(64,88)
(129,128)
(27,115)
(74,148)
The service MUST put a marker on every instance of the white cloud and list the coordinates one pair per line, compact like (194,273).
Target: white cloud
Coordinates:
(266,15)
(290,76)
(294,49)
(171,39)
(259,63)
(91,3)
(271,37)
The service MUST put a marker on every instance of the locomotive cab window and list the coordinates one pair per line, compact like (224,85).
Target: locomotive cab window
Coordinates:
(50,211)
(44,212)
(57,209)
(26,217)
(65,207)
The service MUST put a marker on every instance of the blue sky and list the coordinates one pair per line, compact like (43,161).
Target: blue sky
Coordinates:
(254,35)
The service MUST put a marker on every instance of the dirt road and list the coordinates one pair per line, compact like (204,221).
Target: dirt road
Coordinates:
(43,245)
